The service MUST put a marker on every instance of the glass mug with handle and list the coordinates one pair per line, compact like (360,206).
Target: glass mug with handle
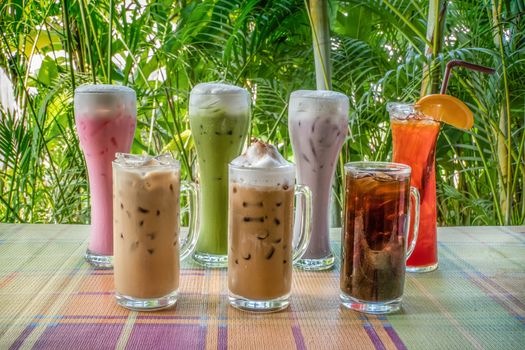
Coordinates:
(147,245)
(260,252)
(374,239)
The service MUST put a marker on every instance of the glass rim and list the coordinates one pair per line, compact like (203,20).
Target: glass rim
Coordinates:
(239,91)
(280,169)
(404,111)
(245,93)
(361,167)
(137,161)
(329,95)
(101,89)
(392,105)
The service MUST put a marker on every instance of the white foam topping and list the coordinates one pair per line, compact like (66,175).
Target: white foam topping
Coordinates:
(262,165)
(101,100)
(104,88)
(217,89)
(219,98)
(320,94)
(261,155)
(316,103)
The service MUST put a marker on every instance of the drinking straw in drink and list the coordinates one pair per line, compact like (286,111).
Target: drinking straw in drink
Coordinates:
(414,134)
(459,63)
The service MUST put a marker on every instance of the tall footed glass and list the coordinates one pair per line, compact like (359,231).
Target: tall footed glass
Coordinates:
(318,124)
(219,119)
(105,117)
(414,137)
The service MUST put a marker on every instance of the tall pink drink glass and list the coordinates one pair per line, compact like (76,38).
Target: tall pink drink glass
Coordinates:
(105,117)
(318,125)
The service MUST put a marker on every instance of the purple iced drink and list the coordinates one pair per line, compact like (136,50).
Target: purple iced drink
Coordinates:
(318,124)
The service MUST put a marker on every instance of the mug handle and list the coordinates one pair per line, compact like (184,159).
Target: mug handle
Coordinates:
(417,200)
(187,245)
(305,222)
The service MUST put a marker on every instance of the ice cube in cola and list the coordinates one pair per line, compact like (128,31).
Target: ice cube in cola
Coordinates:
(373,250)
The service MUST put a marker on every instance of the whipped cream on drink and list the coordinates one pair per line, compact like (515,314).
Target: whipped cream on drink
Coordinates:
(261,218)
(263,155)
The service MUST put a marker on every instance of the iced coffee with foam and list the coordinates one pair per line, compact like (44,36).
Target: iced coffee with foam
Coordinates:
(260,252)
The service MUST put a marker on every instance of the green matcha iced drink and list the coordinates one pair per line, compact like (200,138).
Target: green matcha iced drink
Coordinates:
(219,120)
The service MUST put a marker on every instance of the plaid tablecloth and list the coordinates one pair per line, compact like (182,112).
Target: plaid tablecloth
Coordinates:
(51,299)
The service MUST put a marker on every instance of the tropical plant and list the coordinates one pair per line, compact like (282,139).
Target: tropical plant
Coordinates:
(381,50)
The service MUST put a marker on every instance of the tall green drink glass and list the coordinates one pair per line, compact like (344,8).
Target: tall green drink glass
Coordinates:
(219,120)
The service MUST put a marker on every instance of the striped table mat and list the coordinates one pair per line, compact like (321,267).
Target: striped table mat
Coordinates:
(51,299)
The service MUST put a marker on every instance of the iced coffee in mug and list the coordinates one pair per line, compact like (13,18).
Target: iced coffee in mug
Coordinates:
(105,117)
(375,230)
(147,244)
(261,214)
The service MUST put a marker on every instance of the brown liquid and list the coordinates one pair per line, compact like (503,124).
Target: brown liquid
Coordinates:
(260,241)
(146,232)
(373,249)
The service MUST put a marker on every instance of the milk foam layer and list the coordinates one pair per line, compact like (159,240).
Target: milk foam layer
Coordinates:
(219,98)
(314,103)
(104,88)
(262,165)
(101,100)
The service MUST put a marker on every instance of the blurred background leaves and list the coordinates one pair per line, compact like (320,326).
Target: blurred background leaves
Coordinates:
(382,50)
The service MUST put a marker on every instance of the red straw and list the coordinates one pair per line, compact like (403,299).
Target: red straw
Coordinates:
(468,65)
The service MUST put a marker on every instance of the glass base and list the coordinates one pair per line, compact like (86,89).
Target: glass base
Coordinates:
(421,269)
(211,260)
(316,264)
(259,306)
(100,262)
(370,307)
(152,304)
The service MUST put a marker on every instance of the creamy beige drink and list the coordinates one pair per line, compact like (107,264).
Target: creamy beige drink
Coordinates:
(261,202)
(146,230)
(261,241)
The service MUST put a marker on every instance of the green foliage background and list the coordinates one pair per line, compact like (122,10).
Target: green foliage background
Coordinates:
(163,48)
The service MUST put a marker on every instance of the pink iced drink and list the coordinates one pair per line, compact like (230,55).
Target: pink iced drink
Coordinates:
(105,117)
(318,125)
(101,138)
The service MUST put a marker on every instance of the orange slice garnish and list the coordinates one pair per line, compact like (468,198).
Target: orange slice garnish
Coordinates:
(447,109)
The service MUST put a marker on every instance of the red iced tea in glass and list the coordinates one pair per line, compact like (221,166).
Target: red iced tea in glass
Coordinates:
(414,143)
